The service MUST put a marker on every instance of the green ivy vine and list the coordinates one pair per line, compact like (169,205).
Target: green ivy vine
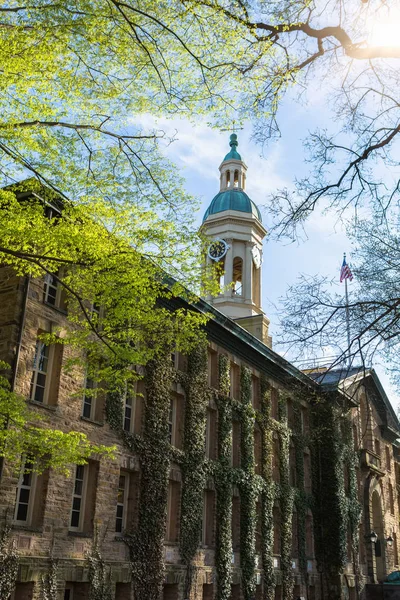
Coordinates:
(49,582)
(331,450)
(194,464)
(99,575)
(268,491)
(9,563)
(248,487)
(302,500)
(286,499)
(223,484)
(146,544)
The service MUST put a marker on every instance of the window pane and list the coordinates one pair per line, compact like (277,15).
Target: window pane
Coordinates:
(74,519)
(24,495)
(39,394)
(87,407)
(22,513)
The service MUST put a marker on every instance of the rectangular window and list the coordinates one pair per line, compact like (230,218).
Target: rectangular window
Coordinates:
(274,403)
(174,493)
(209,517)
(50,289)
(128,417)
(46,371)
(235,381)
(122,502)
(93,401)
(213,369)
(39,372)
(89,398)
(235,523)
(255,393)
(211,434)
(78,499)
(25,495)
(236,437)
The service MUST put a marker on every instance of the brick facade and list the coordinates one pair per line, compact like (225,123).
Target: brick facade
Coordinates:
(105,493)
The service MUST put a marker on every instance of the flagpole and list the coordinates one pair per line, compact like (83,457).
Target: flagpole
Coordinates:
(347,315)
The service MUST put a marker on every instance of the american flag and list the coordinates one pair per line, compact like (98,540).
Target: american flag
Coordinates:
(345,272)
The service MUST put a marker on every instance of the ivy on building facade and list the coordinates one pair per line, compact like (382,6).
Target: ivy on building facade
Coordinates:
(9,562)
(330,444)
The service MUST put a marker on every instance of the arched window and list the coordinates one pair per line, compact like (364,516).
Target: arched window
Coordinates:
(236,179)
(237,276)
(228,179)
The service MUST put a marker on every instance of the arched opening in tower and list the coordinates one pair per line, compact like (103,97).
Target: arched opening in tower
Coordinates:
(228,179)
(237,276)
(236,179)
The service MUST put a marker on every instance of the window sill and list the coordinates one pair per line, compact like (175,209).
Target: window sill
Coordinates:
(87,420)
(62,311)
(79,534)
(49,407)
(30,528)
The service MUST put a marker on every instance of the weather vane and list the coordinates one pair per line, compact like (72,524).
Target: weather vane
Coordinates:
(234,129)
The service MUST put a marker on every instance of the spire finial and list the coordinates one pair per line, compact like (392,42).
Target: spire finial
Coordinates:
(233,141)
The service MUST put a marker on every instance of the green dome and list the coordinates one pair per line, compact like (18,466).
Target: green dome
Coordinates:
(232,200)
(233,154)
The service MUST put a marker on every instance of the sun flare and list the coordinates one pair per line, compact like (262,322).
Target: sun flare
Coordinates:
(385,31)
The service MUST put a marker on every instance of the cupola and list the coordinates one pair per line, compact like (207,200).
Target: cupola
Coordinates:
(234,226)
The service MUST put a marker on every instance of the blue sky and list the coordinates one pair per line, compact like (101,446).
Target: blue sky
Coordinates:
(198,152)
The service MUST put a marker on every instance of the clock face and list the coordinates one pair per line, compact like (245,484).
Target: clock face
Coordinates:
(257,258)
(217,249)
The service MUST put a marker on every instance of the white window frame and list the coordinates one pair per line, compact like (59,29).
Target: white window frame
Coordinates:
(93,399)
(46,287)
(36,372)
(124,503)
(132,408)
(82,496)
(31,500)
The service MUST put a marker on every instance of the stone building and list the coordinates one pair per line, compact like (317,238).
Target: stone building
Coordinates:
(250,488)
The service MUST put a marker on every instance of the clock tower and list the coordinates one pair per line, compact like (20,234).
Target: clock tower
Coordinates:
(234,227)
